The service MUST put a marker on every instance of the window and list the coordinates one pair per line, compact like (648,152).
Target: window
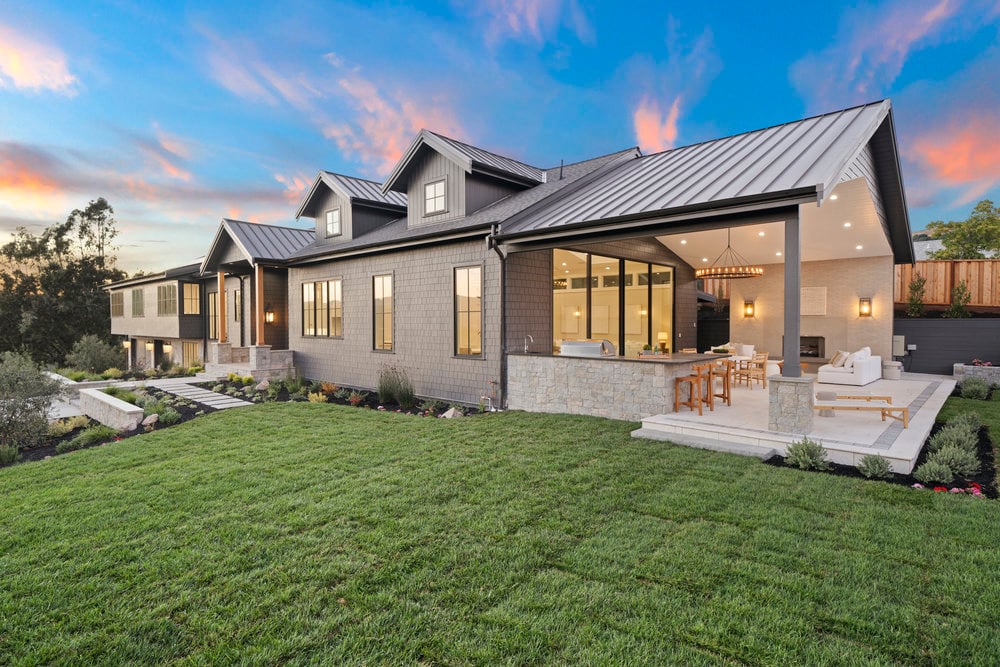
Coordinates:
(322,310)
(469,310)
(191,353)
(137,304)
(213,314)
(382,306)
(333,222)
(434,197)
(117,304)
(166,300)
(192,299)
(237,304)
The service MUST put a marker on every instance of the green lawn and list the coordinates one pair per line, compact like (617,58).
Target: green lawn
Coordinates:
(302,533)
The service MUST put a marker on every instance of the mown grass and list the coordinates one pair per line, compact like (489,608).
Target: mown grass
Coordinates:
(304,533)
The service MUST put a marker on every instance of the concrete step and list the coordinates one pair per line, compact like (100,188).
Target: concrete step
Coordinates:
(756,451)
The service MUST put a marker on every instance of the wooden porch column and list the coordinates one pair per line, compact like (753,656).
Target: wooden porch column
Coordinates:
(793,286)
(222,308)
(258,294)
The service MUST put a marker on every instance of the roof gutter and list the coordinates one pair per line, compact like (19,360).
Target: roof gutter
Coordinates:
(374,248)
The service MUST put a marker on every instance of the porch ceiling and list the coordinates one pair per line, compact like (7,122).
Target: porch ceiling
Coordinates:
(833,231)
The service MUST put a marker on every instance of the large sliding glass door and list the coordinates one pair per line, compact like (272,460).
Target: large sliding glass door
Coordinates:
(626,302)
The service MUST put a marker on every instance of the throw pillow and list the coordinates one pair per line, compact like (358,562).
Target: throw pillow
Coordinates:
(851,358)
(746,350)
(839,359)
(867,352)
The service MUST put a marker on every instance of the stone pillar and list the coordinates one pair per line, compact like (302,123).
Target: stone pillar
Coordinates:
(260,357)
(220,353)
(790,403)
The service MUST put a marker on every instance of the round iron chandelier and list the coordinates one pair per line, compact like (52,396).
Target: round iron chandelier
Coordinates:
(730,264)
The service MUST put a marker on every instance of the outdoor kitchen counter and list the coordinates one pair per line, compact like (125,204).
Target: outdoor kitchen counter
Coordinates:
(609,386)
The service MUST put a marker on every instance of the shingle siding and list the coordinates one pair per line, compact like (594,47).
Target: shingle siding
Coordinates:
(529,301)
(423,314)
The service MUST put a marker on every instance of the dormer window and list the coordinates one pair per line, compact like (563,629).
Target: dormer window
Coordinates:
(434,197)
(333,223)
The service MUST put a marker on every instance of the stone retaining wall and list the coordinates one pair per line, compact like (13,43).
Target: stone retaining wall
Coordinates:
(989,373)
(613,388)
(109,410)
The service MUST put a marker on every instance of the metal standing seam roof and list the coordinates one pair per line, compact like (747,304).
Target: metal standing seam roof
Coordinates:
(263,242)
(479,156)
(808,153)
(360,188)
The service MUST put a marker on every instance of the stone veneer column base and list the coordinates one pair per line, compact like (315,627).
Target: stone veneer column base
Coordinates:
(790,404)
(220,353)
(260,357)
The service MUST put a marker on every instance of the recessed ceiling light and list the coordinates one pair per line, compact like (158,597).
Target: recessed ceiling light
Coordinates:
(777,254)
(847,224)
(684,241)
(858,247)
(760,233)
(607,268)
(567,270)
(833,197)
(704,259)
(564,263)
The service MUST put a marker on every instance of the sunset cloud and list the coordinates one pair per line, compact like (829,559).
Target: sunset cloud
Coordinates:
(532,20)
(964,155)
(870,50)
(166,151)
(295,186)
(30,178)
(32,64)
(653,132)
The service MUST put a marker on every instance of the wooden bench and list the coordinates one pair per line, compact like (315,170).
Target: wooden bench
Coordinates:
(881,404)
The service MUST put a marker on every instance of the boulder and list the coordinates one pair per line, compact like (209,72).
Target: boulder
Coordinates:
(264,385)
(151,419)
(451,413)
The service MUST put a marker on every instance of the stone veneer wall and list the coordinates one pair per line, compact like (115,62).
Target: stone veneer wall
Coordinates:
(989,373)
(613,388)
(790,404)
(109,410)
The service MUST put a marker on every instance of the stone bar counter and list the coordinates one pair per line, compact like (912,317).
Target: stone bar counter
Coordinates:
(611,386)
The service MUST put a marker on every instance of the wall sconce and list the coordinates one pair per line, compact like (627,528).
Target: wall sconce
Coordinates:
(168,348)
(576,313)
(127,344)
(149,346)
(749,309)
(663,338)
(269,316)
(865,306)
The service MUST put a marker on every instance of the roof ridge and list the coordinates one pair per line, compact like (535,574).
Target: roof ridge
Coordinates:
(353,178)
(591,159)
(266,224)
(485,150)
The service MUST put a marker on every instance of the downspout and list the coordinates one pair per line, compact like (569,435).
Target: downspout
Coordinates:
(491,242)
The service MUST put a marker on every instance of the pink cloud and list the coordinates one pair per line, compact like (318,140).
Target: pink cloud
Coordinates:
(295,186)
(653,132)
(166,151)
(32,64)
(963,154)
(532,19)
(870,50)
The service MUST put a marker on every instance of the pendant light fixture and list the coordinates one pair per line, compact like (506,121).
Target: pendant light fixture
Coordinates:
(730,264)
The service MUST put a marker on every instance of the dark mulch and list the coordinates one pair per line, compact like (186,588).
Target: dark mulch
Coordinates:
(49,448)
(987,477)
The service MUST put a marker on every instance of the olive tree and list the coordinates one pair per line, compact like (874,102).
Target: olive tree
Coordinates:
(26,395)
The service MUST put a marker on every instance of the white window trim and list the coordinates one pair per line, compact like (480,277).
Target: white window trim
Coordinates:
(340,223)
(444,196)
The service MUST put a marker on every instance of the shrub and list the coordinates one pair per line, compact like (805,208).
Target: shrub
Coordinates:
(61,427)
(155,407)
(26,394)
(807,455)
(432,406)
(356,398)
(915,296)
(974,387)
(8,455)
(960,298)
(274,389)
(933,472)
(123,394)
(112,373)
(247,380)
(317,397)
(328,388)
(970,421)
(219,388)
(874,466)
(342,394)
(395,385)
(91,436)
(90,353)
(75,376)
(953,435)
(169,417)
(961,462)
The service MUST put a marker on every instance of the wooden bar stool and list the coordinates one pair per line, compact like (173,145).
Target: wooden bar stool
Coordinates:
(724,369)
(700,386)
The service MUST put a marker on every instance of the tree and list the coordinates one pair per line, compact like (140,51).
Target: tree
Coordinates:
(26,394)
(972,238)
(51,284)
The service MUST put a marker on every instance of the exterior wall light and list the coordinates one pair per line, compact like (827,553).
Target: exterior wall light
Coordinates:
(269,316)
(168,348)
(749,308)
(127,344)
(865,306)
(149,346)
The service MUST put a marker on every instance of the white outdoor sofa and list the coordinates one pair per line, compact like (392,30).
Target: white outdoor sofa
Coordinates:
(864,371)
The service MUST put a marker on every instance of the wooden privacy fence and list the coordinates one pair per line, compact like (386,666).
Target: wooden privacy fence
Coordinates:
(981,276)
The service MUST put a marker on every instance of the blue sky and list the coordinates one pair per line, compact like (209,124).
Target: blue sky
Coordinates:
(181,114)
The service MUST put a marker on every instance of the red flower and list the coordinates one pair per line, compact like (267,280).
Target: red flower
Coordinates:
(940,488)
(976,486)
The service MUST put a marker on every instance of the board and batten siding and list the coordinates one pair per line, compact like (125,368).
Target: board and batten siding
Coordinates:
(423,327)
(330,201)
(481,191)
(430,166)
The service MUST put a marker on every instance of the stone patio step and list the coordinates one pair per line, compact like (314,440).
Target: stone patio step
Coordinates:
(762,453)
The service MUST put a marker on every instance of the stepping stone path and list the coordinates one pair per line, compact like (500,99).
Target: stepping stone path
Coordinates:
(184,388)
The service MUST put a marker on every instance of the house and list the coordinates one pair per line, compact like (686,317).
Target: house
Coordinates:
(471,271)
